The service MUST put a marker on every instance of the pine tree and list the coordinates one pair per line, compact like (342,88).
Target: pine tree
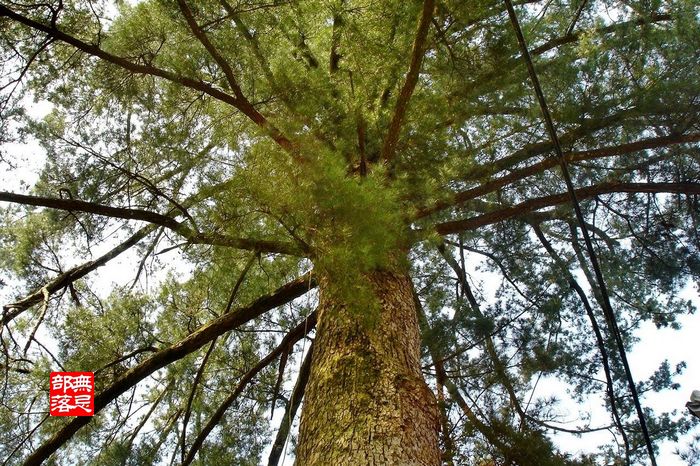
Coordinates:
(342,185)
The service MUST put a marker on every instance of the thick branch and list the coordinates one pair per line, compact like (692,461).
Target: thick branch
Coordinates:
(417,54)
(74,205)
(550,162)
(562,198)
(238,101)
(162,358)
(215,239)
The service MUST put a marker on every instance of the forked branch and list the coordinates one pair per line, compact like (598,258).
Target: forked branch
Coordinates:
(193,237)
(237,100)
(296,334)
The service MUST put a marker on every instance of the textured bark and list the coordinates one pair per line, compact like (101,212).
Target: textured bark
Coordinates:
(367,402)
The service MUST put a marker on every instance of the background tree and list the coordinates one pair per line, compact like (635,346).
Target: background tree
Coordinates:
(384,152)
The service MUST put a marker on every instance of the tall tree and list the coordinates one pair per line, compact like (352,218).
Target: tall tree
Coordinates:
(383,154)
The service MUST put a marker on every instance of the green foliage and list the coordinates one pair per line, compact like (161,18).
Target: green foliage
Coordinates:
(324,78)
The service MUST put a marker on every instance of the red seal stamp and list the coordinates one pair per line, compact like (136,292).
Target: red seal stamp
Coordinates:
(72,394)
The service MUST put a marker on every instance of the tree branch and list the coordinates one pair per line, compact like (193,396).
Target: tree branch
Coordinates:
(550,162)
(204,40)
(179,350)
(417,54)
(291,409)
(238,101)
(600,341)
(562,198)
(10,311)
(193,237)
(290,339)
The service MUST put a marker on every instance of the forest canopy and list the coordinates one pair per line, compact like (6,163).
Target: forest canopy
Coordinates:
(355,232)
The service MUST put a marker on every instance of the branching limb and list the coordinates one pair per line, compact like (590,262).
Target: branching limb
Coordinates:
(596,331)
(215,239)
(10,311)
(417,54)
(520,174)
(238,101)
(204,40)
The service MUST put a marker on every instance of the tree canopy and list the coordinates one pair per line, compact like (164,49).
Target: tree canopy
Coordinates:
(242,153)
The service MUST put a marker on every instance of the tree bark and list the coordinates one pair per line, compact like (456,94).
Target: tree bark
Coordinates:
(367,402)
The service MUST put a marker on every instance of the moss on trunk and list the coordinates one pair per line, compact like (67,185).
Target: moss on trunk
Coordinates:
(367,402)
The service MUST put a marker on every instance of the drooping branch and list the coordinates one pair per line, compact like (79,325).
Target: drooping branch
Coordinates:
(193,237)
(610,388)
(452,389)
(489,344)
(530,205)
(576,156)
(237,101)
(417,54)
(179,350)
(291,409)
(190,398)
(607,307)
(297,333)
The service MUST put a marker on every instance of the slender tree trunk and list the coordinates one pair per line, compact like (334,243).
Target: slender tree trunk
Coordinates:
(367,402)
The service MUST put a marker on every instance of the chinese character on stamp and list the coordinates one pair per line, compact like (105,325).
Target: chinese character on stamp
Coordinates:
(72,394)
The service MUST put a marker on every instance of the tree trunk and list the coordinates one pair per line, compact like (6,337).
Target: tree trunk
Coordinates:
(367,402)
